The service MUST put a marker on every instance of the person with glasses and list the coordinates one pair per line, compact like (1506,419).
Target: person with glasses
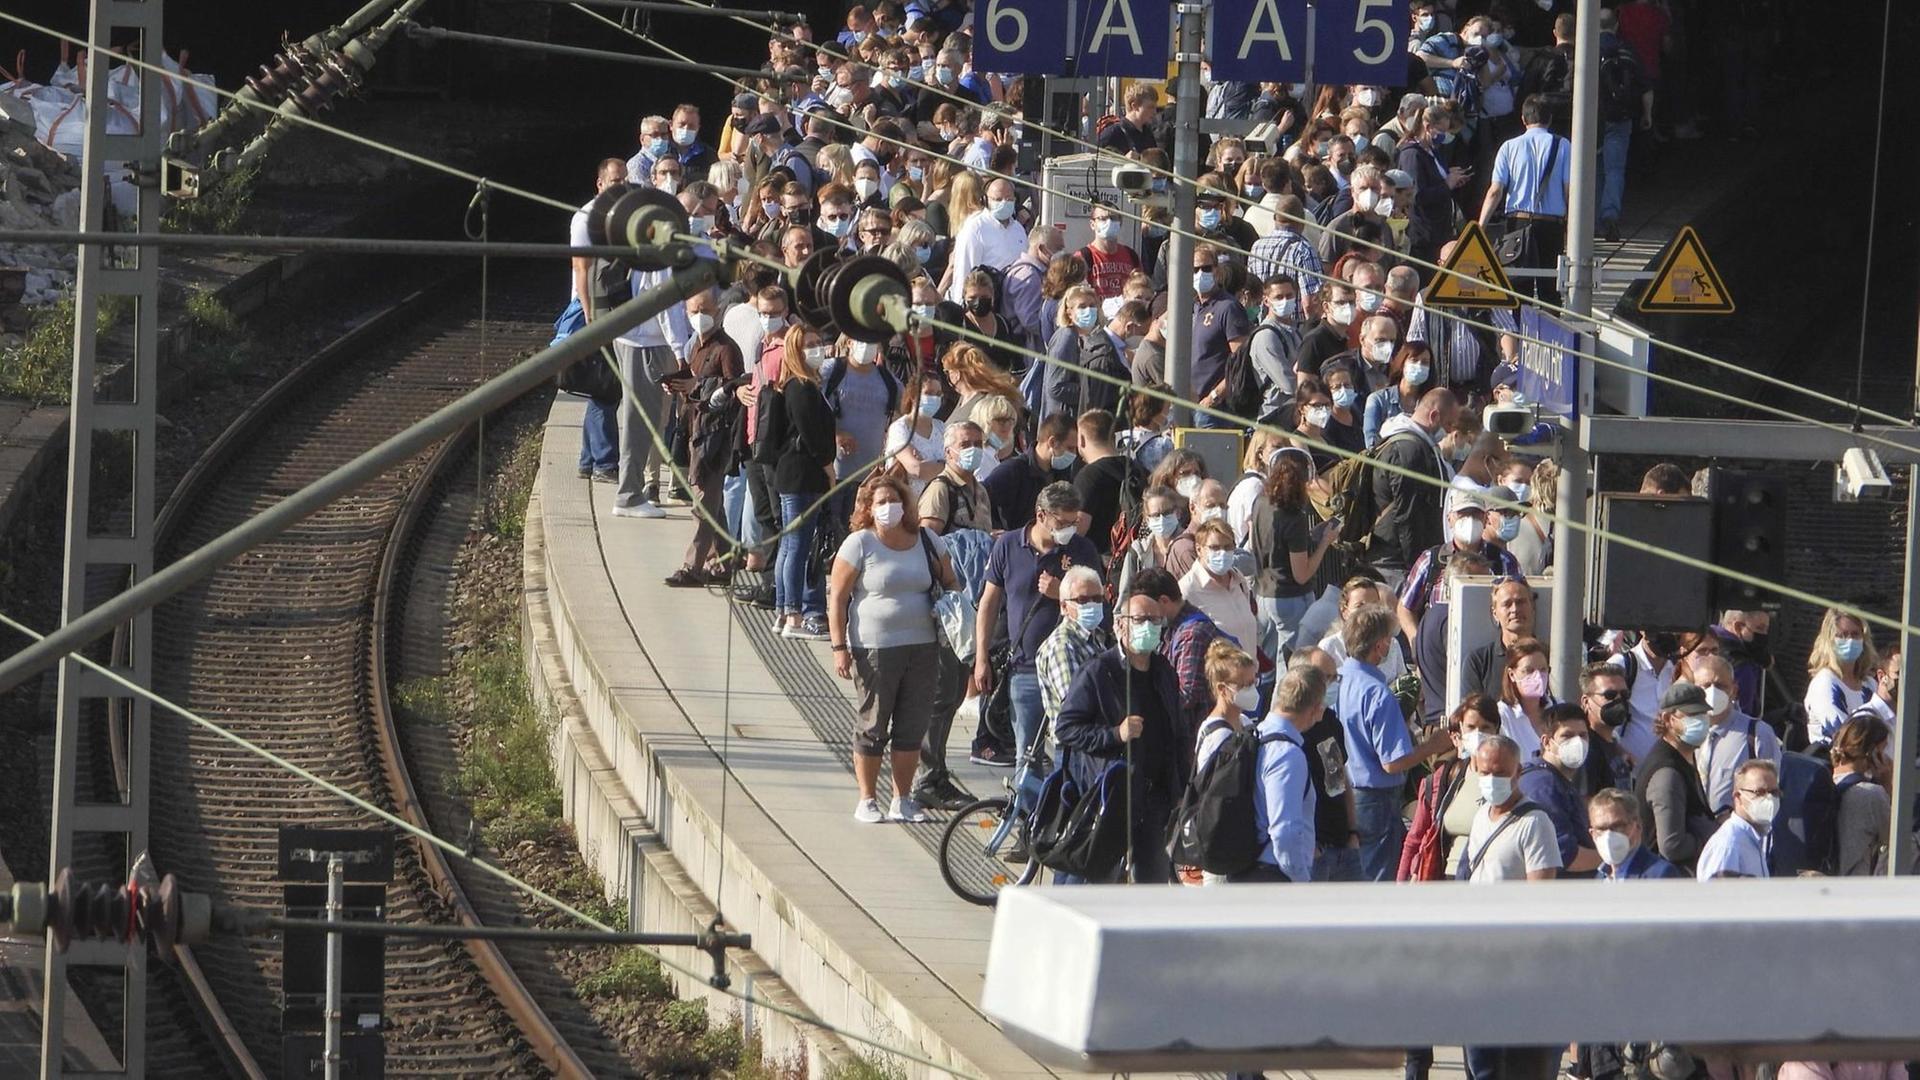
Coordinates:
(1668,782)
(1739,848)
(1121,707)
(1613,822)
(1082,635)
(1734,739)
(1220,327)
(1603,694)
(833,226)
(667,175)
(875,230)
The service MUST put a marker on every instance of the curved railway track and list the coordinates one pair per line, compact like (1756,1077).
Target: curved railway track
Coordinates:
(292,646)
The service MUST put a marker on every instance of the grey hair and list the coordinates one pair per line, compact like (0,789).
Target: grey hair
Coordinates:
(1366,628)
(1078,575)
(1412,103)
(1058,497)
(957,428)
(1501,743)
(1300,689)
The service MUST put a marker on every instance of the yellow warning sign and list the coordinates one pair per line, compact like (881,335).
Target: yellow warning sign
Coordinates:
(1686,281)
(1472,275)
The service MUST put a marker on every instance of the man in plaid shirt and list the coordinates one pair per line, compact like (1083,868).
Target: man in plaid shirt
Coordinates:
(1079,638)
(1286,251)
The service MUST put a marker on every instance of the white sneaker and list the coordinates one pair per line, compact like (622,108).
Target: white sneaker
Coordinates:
(908,809)
(644,510)
(867,811)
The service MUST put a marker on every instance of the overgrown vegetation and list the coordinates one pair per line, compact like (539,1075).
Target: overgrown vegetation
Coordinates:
(867,1068)
(222,209)
(39,370)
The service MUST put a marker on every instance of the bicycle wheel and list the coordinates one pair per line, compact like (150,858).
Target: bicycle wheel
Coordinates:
(974,850)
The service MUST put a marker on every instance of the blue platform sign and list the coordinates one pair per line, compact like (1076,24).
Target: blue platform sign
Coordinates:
(1360,42)
(1549,374)
(1025,37)
(1258,41)
(1127,38)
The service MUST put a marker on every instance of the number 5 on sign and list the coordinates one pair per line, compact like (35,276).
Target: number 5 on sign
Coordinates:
(1360,42)
(1021,37)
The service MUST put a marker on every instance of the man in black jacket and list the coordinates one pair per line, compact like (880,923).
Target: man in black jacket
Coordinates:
(1410,520)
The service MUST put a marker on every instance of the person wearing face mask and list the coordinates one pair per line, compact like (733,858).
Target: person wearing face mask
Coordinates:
(714,367)
(1413,520)
(1328,337)
(834,222)
(802,472)
(885,638)
(1079,340)
(1840,670)
(1553,783)
(1083,634)
(1285,805)
(1380,748)
(1603,695)
(1449,797)
(1862,775)
(1186,634)
(1163,539)
(1744,640)
(695,157)
(1613,821)
(1220,327)
(1675,810)
(1215,585)
(1429,158)
(1274,341)
(1512,839)
(1525,697)
(1016,482)
(916,441)
(1532,542)
(990,237)
(1734,739)
(1287,553)
(1650,669)
(1122,707)
(1368,186)
(1411,373)
(1371,361)
(656,145)
(979,312)
(1740,847)
(1110,262)
(1425,580)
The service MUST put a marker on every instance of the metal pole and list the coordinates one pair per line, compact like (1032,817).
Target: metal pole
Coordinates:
(1178,252)
(492,394)
(336,911)
(353,245)
(435,33)
(1906,778)
(1571,546)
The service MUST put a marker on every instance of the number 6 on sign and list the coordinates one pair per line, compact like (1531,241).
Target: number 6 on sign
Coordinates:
(1022,37)
(1358,42)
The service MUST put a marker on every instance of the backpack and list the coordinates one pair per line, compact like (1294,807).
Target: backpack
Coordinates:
(1213,828)
(1620,85)
(999,277)
(836,372)
(770,427)
(1350,494)
(1830,864)
(1126,523)
(957,497)
(1244,395)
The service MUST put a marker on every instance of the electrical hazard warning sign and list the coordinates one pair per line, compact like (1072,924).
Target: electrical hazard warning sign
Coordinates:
(1472,275)
(1686,281)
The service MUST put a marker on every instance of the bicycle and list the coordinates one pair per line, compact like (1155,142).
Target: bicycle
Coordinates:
(985,848)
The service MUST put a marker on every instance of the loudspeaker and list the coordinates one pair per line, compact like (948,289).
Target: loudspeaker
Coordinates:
(1749,535)
(1637,590)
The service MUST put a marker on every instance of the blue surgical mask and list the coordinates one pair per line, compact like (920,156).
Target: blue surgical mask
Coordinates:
(929,404)
(1494,41)
(925,311)
(1442,138)
(1203,281)
(925,255)
(1002,209)
(916,174)
(1496,790)
(969,458)
(1163,525)
(1089,615)
(1210,219)
(1424,24)
(1086,317)
(685,136)
(1254,191)
(943,74)
(1062,462)
(1417,373)
(658,147)
(1848,649)
(838,228)
(1509,528)
(1694,729)
(1345,397)
(1219,562)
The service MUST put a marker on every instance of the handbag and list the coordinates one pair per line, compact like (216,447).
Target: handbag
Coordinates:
(1516,242)
(996,714)
(952,613)
(1083,833)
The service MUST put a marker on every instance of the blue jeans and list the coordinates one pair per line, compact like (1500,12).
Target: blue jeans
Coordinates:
(599,438)
(1340,863)
(1028,716)
(733,497)
(1613,167)
(1381,829)
(794,590)
(1280,623)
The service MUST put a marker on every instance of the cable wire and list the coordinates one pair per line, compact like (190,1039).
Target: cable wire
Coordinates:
(1873,214)
(828,47)
(458,852)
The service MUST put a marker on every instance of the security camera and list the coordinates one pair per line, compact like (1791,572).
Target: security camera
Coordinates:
(1132,179)
(1507,421)
(1860,476)
(1263,138)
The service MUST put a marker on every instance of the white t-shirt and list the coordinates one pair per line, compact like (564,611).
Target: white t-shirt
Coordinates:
(982,241)
(1528,844)
(932,446)
(576,237)
(1515,725)
(1241,503)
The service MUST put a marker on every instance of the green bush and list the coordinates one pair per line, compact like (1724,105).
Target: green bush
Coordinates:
(633,974)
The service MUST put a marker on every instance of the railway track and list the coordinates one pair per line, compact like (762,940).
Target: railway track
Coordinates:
(292,646)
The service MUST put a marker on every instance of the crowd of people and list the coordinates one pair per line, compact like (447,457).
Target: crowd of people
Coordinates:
(1132,601)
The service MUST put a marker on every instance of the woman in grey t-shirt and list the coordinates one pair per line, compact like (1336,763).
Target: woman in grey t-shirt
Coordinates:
(881,622)
(1863,811)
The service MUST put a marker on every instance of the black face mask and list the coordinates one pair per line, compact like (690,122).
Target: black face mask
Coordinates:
(979,305)
(1616,713)
(1756,649)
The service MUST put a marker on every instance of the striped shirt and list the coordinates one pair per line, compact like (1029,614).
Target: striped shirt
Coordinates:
(1285,251)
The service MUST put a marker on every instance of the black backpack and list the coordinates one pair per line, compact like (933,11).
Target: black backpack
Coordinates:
(1620,85)
(1213,828)
(1243,395)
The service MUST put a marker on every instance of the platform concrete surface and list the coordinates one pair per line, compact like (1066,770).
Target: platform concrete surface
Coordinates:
(855,918)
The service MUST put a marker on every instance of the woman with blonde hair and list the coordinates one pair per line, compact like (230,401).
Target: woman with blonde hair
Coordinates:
(977,380)
(801,475)
(1533,485)
(833,165)
(966,196)
(1080,342)
(1244,500)
(1841,680)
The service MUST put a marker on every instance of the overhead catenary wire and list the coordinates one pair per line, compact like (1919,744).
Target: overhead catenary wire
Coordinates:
(1873,216)
(455,850)
(1519,336)
(829,48)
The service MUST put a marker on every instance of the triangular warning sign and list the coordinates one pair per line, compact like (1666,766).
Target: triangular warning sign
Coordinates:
(1472,276)
(1686,280)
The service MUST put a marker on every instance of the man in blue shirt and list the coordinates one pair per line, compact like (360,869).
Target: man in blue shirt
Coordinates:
(1284,811)
(1743,844)
(1550,783)
(1380,749)
(1024,572)
(1613,821)
(1529,190)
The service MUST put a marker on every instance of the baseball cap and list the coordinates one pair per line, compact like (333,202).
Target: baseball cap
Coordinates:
(1400,178)
(764,124)
(748,102)
(1685,699)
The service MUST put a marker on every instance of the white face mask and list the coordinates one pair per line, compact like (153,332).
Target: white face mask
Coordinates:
(1284,309)
(1717,700)
(1246,699)
(701,322)
(1466,530)
(1573,752)
(1164,525)
(1188,486)
(863,352)
(1496,790)
(888,514)
(1614,846)
(1469,742)
(1212,513)
(1318,416)
(1341,314)
(1761,810)
(1065,533)
(864,187)
(700,226)
(1519,489)
(816,357)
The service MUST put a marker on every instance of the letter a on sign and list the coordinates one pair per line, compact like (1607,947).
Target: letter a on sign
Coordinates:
(1686,281)
(1472,276)
(1259,41)
(1125,37)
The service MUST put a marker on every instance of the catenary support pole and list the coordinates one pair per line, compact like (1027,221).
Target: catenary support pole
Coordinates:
(448,421)
(1178,253)
(1906,777)
(336,948)
(1572,546)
